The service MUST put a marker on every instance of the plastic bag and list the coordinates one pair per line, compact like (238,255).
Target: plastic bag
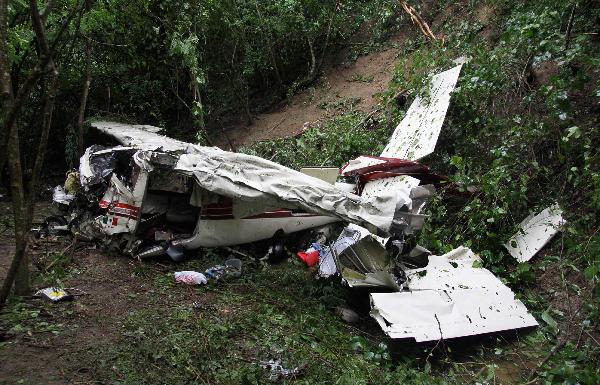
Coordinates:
(190,277)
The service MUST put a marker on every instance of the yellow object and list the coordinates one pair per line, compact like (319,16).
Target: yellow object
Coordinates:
(72,184)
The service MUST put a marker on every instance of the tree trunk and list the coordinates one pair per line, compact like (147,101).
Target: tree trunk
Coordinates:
(6,94)
(18,271)
(271,52)
(23,201)
(84,95)
(200,117)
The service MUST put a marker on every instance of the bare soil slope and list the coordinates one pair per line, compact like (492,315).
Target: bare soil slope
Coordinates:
(344,86)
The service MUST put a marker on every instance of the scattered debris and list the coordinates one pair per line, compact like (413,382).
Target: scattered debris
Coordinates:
(311,256)
(54,294)
(190,278)
(155,195)
(277,370)
(534,232)
(449,298)
(231,269)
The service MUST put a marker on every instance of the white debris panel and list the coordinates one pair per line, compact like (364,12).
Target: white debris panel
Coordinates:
(534,232)
(416,135)
(449,298)
(143,137)
(250,178)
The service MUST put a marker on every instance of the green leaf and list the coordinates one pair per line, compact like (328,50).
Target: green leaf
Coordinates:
(547,318)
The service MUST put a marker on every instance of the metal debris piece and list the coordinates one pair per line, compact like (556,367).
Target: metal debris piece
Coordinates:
(54,294)
(349,236)
(232,268)
(534,232)
(362,260)
(277,370)
(449,298)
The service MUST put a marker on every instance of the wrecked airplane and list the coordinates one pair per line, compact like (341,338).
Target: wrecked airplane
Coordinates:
(156,195)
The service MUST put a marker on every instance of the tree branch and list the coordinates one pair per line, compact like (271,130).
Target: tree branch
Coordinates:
(5,82)
(84,94)
(418,20)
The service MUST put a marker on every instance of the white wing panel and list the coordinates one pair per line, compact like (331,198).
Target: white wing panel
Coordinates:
(416,135)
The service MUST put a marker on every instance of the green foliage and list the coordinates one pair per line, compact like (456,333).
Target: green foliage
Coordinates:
(577,368)
(54,267)
(21,318)
(209,58)
(331,143)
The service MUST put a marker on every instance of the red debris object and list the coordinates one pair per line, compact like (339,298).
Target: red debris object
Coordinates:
(390,167)
(311,258)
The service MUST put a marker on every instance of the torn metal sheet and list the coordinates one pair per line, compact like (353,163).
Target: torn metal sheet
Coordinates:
(534,232)
(143,137)
(362,260)
(366,264)
(98,163)
(449,298)
(416,135)
(349,236)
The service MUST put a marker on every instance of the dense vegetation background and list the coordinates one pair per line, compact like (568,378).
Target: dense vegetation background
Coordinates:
(193,67)
(523,129)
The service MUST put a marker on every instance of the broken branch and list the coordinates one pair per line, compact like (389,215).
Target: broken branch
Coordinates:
(418,20)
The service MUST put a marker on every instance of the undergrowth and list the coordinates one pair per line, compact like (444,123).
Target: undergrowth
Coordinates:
(271,313)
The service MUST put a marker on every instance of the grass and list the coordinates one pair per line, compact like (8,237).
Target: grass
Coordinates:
(221,333)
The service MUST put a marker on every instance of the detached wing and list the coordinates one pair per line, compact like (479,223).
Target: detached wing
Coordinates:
(414,138)
(143,137)
(416,135)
